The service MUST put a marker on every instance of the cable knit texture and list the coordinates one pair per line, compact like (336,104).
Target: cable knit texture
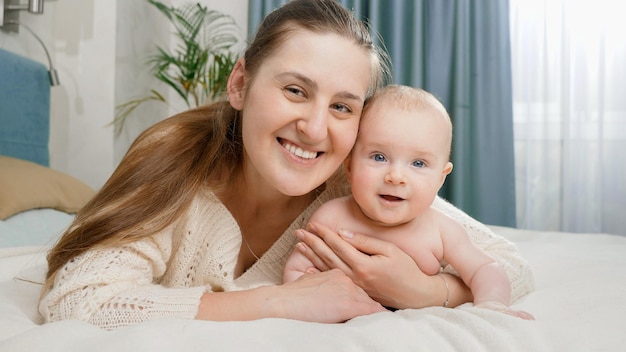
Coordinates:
(500,249)
(166,274)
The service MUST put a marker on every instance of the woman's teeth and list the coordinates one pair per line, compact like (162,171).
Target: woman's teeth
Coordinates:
(304,154)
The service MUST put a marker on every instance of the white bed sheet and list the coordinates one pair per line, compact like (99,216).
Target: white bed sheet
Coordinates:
(579,304)
(36,227)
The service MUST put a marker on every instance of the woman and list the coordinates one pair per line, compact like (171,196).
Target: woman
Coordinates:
(199,217)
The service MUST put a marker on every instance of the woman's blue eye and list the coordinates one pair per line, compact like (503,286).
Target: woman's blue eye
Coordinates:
(418,163)
(378,157)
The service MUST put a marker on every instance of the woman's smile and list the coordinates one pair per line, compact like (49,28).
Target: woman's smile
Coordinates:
(298,151)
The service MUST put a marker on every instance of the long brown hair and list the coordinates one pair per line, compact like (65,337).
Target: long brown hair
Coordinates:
(169,162)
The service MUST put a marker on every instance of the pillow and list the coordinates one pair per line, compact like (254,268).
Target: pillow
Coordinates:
(25,185)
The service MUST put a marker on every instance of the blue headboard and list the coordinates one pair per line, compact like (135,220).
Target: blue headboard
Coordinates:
(24,108)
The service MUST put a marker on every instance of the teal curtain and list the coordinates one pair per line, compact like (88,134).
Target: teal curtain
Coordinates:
(458,50)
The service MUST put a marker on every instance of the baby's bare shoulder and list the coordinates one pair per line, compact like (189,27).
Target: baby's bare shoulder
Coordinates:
(331,210)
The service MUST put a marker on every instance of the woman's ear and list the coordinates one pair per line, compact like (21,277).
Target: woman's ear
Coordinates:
(236,85)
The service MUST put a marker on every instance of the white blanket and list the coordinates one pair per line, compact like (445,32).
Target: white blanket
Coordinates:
(579,305)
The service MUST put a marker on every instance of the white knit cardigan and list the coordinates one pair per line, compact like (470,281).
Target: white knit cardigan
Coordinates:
(166,274)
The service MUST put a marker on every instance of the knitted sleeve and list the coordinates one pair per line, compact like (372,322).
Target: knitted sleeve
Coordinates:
(114,287)
(500,249)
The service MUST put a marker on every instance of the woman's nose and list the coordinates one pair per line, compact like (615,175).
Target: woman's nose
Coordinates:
(314,126)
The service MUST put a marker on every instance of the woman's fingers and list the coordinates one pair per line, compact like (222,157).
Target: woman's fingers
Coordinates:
(349,248)
(319,252)
(367,244)
(380,267)
(327,297)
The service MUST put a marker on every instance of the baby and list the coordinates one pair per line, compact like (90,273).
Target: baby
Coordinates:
(398,164)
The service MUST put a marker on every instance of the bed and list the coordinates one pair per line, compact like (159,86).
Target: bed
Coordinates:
(579,303)
(579,299)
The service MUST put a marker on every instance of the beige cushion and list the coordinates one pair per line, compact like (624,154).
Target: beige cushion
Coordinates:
(25,185)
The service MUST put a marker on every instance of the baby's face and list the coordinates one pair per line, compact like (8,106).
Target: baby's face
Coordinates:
(399,161)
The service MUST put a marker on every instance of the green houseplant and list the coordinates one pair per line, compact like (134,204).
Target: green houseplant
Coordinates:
(197,68)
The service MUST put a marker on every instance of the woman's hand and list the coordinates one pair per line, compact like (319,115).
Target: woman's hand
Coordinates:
(322,297)
(383,270)
(325,297)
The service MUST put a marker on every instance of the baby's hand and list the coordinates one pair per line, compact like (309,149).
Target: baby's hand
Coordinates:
(502,308)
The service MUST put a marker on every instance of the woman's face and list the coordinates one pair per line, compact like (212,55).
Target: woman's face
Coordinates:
(301,110)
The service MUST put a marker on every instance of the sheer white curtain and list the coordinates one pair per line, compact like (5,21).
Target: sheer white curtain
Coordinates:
(569,95)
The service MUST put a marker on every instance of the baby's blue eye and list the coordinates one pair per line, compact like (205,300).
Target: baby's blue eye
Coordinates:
(418,163)
(379,157)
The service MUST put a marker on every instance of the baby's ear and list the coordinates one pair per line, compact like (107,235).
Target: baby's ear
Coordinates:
(446,171)
(236,85)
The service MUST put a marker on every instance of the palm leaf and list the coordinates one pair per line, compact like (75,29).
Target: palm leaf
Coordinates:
(197,68)
(124,110)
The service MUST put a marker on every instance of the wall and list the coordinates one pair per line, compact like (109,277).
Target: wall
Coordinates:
(98,47)
(143,27)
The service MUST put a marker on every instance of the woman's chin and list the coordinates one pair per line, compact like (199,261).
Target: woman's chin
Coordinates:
(297,188)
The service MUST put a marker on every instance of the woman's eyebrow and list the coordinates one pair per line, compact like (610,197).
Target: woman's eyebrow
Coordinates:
(311,83)
(348,95)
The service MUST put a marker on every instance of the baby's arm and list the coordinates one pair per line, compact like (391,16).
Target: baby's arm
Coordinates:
(487,280)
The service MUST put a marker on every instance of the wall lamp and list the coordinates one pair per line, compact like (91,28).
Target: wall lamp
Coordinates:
(10,22)
(10,12)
